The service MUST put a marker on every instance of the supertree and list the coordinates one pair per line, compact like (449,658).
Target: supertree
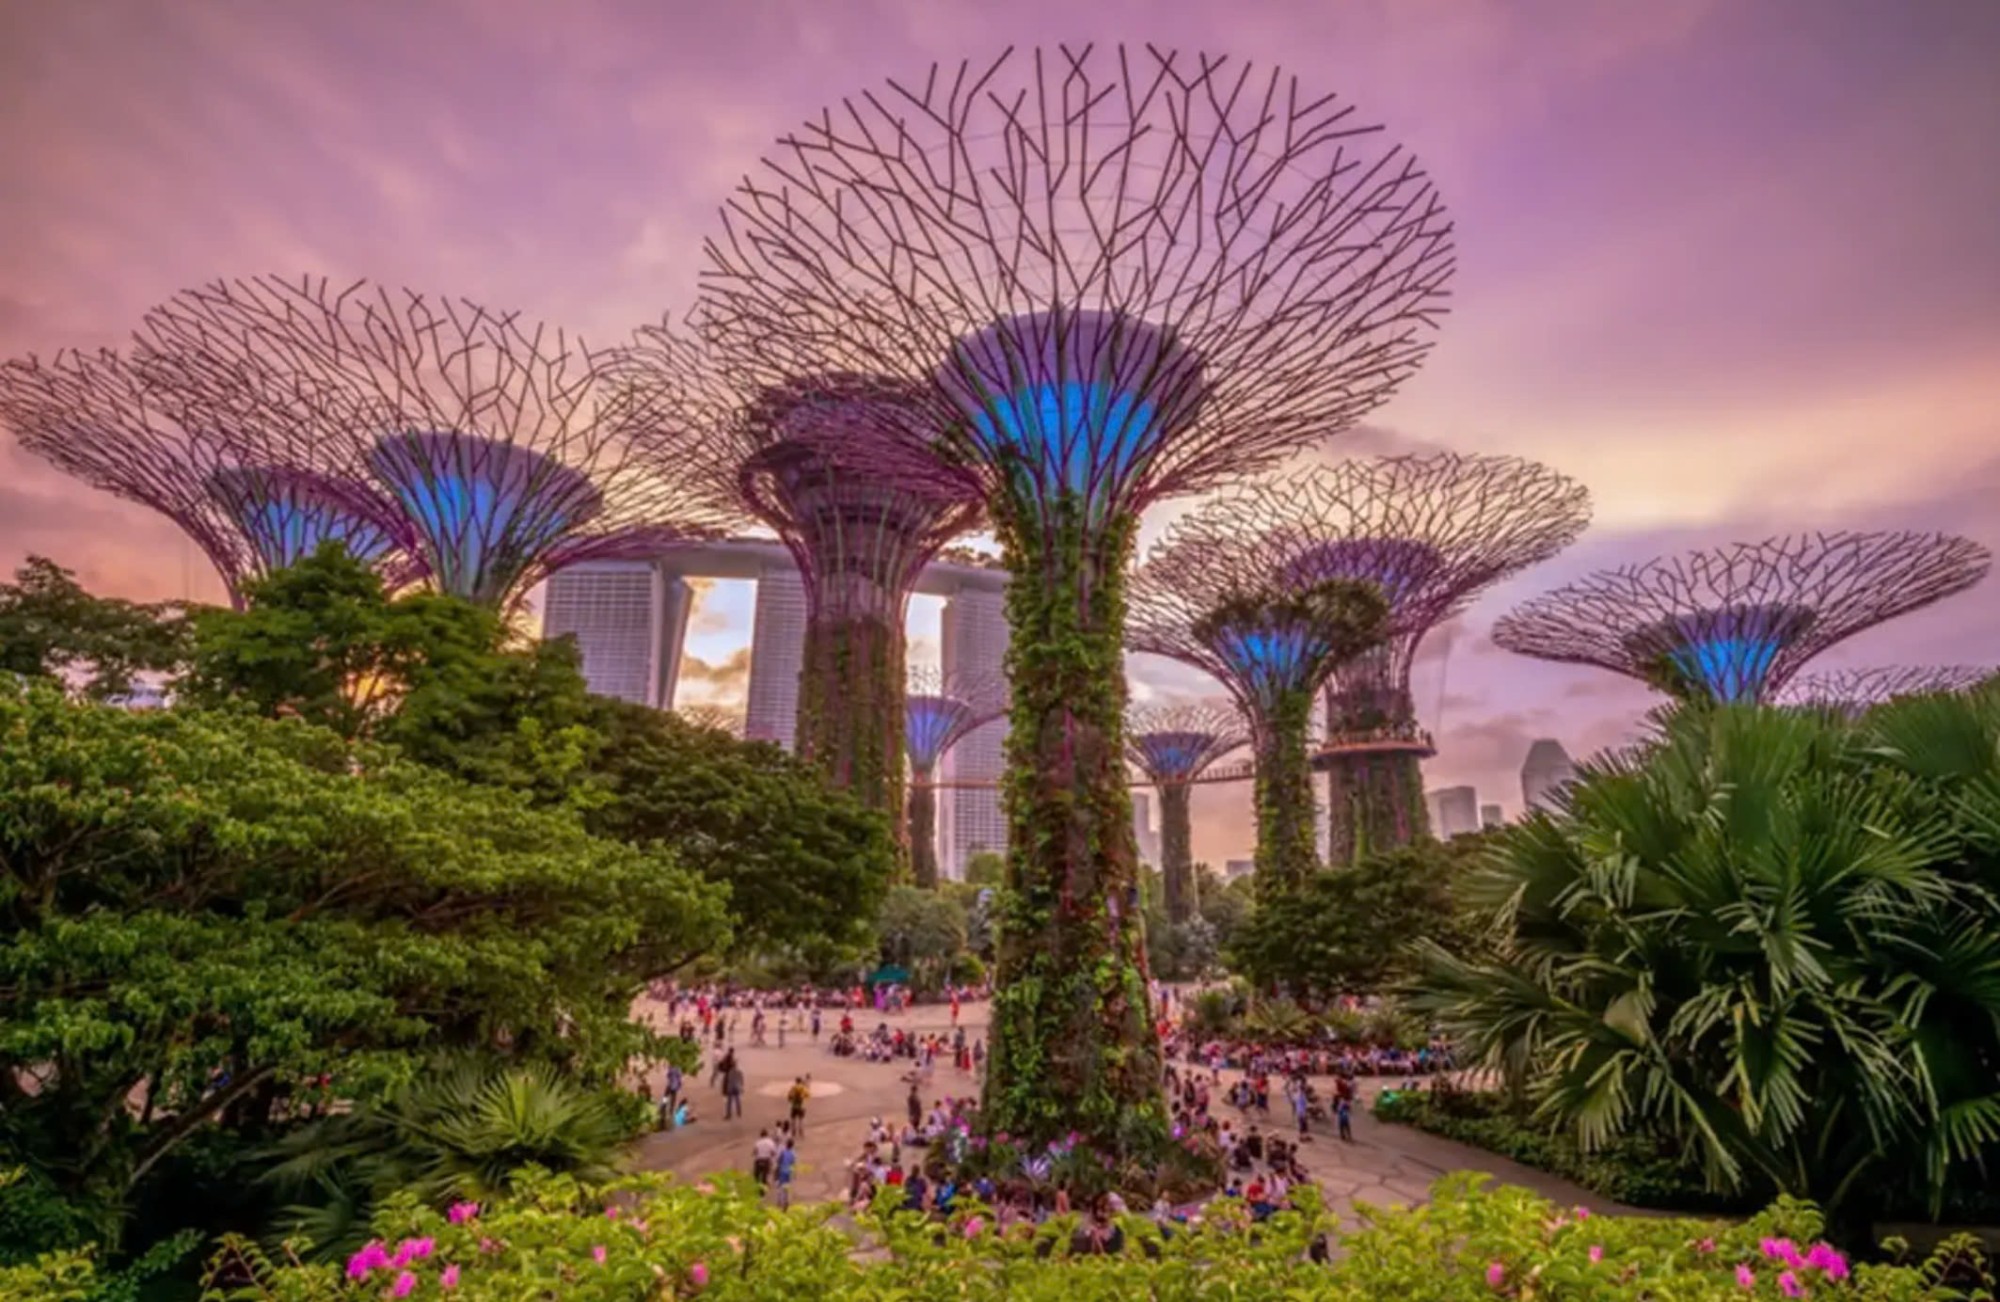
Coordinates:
(1173,745)
(718,718)
(939,711)
(860,538)
(1736,623)
(506,452)
(1124,275)
(1853,691)
(1226,606)
(118,423)
(1430,532)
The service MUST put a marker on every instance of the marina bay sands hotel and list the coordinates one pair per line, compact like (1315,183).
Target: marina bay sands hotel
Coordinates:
(629,619)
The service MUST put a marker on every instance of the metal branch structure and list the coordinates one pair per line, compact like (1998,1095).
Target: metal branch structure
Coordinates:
(1855,691)
(1226,605)
(1119,274)
(718,718)
(1174,745)
(939,711)
(1430,532)
(109,420)
(1737,623)
(505,452)
(860,539)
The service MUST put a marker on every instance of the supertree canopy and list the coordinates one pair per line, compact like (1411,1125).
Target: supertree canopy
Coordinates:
(940,711)
(1173,745)
(1224,605)
(1124,274)
(108,420)
(1853,691)
(1736,624)
(860,538)
(504,449)
(1430,533)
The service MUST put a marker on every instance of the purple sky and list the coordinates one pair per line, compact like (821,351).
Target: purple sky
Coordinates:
(1735,265)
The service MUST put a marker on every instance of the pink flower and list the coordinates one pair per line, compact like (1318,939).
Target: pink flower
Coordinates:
(1781,1250)
(488,1245)
(1705,1246)
(449,1279)
(1582,1213)
(410,1250)
(973,1227)
(597,1253)
(1788,1283)
(1596,1253)
(462,1212)
(611,1213)
(1746,1276)
(1496,1274)
(699,1274)
(405,1282)
(366,1260)
(1825,1257)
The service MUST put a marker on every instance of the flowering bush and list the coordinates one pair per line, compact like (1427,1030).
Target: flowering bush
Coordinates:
(653,1238)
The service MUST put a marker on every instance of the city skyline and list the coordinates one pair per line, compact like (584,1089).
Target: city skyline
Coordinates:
(1661,208)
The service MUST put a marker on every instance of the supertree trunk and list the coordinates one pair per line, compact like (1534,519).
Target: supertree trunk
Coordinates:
(850,719)
(1177,851)
(1073,1042)
(1286,855)
(1376,803)
(923,832)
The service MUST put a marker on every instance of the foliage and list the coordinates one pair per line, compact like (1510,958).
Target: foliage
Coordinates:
(1212,1013)
(803,864)
(1072,1042)
(1771,934)
(461,1131)
(1225,906)
(652,1238)
(923,932)
(97,646)
(850,711)
(1183,951)
(1351,930)
(202,914)
(323,641)
(985,869)
(1279,1022)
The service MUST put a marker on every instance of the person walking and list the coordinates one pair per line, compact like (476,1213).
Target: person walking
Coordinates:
(1301,1106)
(723,1065)
(670,1096)
(762,1153)
(732,1090)
(788,1162)
(1343,1112)
(797,1096)
(815,1023)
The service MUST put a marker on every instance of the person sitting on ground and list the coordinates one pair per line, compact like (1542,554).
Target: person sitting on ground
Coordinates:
(916,1189)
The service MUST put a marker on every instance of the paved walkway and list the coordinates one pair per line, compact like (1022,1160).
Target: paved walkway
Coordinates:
(1384,1165)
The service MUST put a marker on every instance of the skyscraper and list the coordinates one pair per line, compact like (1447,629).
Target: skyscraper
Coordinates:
(777,649)
(629,619)
(1491,816)
(1454,811)
(1547,769)
(973,634)
(1142,827)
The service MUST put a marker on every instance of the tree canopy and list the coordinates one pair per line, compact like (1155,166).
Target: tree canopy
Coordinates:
(50,627)
(201,912)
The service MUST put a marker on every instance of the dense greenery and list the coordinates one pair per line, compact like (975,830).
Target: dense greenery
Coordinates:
(50,627)
(850,711)
(202,914)
(1770,936)
(1375,803)
(651,1238)
(1353,930)
(1072,1044)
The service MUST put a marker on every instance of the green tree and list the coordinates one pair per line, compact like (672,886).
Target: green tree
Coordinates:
(1354,930)
(1770,936)
(436,675)
(200,914)
(922,931)
(50,627)
(801,861)
(985,869)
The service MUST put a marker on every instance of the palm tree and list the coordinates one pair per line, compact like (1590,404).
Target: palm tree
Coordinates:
(460,1132)
(1760,935)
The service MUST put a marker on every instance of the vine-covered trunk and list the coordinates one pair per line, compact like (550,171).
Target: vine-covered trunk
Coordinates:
(923,832)
(1286,855)
(1073,1042)
(1375,802)
(1177,851)
(850,720)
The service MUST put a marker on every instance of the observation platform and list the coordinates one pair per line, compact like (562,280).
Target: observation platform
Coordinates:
(1386,741)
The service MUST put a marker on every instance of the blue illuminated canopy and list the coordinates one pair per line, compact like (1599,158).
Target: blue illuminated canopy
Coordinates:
(1400,567)
(1080,403)
(1176,754)
(932,725)
(485,511)
(286,515)
(1728,654)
